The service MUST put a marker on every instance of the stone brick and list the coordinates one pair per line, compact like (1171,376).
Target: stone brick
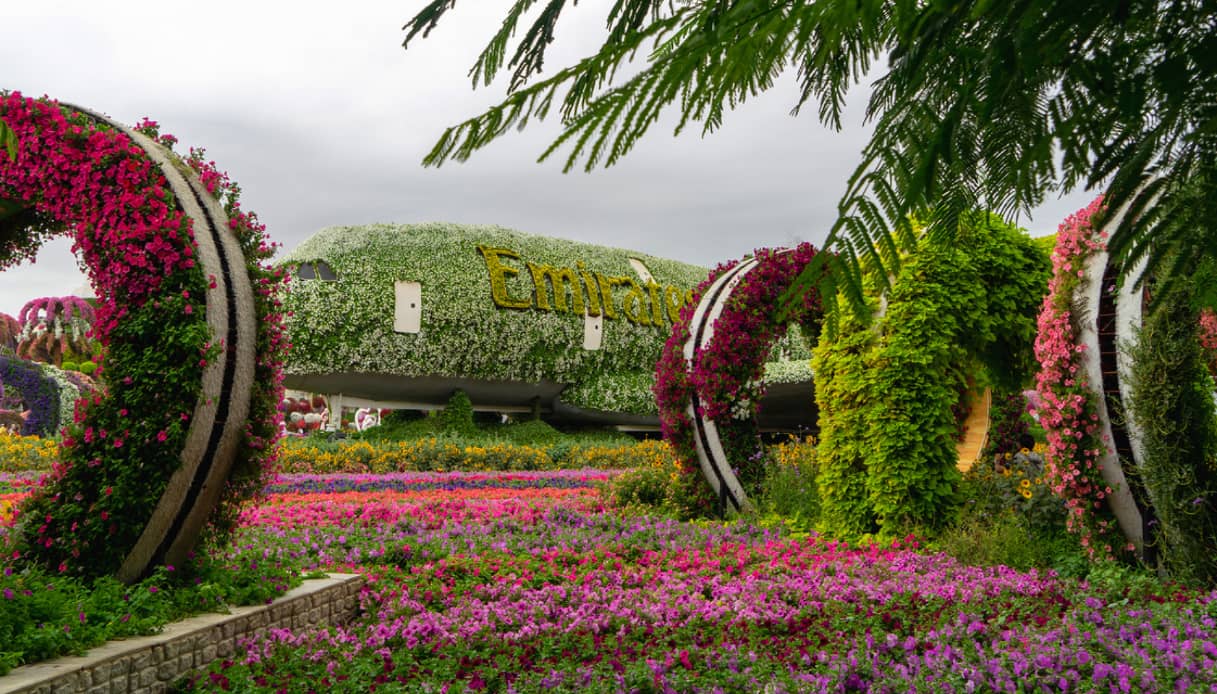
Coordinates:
(147,678)
(206,654)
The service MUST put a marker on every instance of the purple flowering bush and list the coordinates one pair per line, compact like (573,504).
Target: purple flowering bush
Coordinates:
(27,386)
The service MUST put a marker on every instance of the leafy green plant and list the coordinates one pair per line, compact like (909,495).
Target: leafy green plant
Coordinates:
(1007,538)
(790,488)
(1172,404)
(886,391)
(457,415)
(645,487)
(45,615)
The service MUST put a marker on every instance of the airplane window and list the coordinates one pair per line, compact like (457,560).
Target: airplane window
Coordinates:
(324,272)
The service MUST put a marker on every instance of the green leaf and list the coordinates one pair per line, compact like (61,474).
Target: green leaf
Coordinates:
(9,138)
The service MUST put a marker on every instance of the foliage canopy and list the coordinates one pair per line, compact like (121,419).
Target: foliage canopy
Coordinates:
(977,104)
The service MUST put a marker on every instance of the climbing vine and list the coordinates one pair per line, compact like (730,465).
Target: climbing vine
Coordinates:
(886,389)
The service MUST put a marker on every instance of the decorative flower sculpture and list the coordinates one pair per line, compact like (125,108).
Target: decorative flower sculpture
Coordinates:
(9,330)
(710,375)
(55,330)
(32,393)
(189,324)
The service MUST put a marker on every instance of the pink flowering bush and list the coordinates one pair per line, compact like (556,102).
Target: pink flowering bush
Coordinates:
(481,592)
(75,175)
(727,373)
(1066,411)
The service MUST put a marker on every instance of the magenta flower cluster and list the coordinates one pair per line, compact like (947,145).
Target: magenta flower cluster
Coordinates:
(727,373)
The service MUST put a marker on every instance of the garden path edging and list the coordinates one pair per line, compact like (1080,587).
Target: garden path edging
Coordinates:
(153,663)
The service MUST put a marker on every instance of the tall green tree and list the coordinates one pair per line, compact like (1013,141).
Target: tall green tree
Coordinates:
(976,103)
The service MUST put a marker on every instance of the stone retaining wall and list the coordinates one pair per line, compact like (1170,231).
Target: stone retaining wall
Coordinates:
(152,663)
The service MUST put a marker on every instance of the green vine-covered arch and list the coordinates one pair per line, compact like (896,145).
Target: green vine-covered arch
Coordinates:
(188,319)
(887,389)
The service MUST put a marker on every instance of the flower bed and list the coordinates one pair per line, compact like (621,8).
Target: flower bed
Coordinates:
(534,589)
(440,454)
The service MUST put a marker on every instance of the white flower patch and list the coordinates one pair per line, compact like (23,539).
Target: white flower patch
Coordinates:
(338,326)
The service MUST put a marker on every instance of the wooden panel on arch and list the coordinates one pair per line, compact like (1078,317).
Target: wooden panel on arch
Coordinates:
(975,430)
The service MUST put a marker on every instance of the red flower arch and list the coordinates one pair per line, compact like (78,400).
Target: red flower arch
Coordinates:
(188,317)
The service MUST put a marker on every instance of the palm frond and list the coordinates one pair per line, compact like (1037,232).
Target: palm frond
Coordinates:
(981,105)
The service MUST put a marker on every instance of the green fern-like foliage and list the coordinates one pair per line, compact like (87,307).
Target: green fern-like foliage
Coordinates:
(976,105)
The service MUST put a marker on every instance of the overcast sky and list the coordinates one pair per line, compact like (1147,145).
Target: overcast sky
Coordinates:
(323,119)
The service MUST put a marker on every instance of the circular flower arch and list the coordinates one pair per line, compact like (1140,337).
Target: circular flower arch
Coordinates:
(709,377)
(188,319)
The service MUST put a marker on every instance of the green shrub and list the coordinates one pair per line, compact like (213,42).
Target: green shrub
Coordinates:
(1007,539)
(457,415)
(70,366)
(87,368)
(886,390)
(1172,404)
(645,487)
(45,615)
(1009,516)
(1014,482)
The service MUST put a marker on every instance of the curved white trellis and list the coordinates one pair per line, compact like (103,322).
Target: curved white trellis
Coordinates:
(1110,318)
(222,412)
(710,454)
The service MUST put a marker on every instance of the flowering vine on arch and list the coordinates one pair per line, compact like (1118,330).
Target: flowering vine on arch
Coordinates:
(1082,462)
(708,379)
(189,321)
